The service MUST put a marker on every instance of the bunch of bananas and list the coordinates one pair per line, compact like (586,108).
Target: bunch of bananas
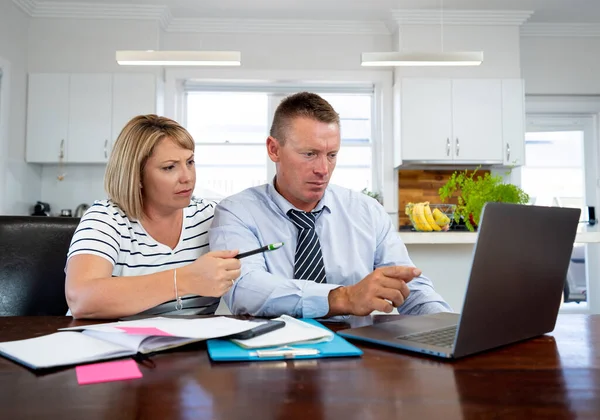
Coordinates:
(424,220)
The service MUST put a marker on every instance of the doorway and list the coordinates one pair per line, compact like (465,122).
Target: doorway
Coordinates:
(561,155)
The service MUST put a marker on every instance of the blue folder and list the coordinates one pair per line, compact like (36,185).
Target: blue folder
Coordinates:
(227,351)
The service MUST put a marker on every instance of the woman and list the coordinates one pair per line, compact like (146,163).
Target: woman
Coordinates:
(146,247)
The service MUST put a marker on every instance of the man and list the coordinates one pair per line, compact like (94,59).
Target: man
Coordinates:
(341,256)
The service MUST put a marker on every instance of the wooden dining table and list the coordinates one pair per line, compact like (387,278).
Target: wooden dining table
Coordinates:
(554,376)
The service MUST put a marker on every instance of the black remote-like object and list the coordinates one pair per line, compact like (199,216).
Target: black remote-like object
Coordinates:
(265,327)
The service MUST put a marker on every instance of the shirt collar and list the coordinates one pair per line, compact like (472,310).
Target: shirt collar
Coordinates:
(285,206)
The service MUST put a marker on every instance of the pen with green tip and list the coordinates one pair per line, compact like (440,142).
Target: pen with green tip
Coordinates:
(269,247)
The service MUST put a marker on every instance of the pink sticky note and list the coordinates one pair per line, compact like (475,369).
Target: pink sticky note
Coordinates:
(144,331)
(107,372)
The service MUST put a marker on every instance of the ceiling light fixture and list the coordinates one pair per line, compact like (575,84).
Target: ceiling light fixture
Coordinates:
(460,58)
(179,58)
(424,58)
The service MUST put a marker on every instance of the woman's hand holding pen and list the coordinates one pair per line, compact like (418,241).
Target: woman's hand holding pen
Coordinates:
(382,290)
(212,274)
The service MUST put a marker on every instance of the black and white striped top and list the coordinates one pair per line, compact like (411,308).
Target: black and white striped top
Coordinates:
(106,231)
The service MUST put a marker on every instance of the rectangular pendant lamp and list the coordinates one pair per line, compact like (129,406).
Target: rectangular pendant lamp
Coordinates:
(386,59)
(179,58)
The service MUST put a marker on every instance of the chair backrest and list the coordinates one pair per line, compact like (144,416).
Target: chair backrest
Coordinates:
(33,253)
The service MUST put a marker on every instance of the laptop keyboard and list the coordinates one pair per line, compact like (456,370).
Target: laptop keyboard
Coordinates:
(443,337)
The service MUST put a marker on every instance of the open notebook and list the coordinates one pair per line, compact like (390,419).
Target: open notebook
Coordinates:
(90,343)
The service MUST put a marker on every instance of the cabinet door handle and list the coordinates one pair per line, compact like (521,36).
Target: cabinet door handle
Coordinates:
(447,146)
(507,153)
(61,153)
(457,147)
(106,149)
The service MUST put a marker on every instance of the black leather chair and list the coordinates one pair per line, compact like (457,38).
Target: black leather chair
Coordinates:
(33,253)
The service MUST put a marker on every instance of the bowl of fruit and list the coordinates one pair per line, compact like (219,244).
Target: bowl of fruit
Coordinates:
(427,217)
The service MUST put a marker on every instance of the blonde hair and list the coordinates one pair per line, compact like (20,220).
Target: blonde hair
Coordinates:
(301,104)
(133,147)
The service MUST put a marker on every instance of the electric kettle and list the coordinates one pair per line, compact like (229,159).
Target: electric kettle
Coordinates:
(81,209)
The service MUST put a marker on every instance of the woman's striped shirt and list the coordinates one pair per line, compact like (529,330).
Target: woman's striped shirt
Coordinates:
(106,231)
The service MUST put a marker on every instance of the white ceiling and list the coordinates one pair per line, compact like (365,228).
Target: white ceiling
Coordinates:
(565,11)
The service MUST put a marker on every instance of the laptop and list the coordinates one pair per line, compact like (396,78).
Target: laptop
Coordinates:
(515,287)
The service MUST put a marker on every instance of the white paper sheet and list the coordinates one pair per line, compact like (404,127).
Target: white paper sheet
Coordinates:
(295,331)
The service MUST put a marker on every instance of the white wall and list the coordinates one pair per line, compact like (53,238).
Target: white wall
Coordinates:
(82,184)
(500,46)
(86,46)
(19,183)
(564,66)
(69,45)
(281,51)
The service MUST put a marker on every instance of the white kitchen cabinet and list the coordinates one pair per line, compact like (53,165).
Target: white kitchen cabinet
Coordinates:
(132,94)
(90,97)
(451,121)
(513,122)
(477,120)
(48,117)
(426,119)
(81,115)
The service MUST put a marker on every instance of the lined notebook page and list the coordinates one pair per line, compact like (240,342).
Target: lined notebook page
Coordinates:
(61,349)
(295,331)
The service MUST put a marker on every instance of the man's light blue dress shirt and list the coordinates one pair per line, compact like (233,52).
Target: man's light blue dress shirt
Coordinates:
(356,236)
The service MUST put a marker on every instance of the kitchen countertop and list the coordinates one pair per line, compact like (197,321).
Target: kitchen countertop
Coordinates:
(588,235)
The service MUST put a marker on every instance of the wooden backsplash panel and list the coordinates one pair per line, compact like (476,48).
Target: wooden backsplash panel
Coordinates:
(419,185)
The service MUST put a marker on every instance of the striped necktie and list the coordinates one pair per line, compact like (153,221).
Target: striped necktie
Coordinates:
(308,263)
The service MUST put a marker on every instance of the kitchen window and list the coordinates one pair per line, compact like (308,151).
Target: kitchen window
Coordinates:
(230,125)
